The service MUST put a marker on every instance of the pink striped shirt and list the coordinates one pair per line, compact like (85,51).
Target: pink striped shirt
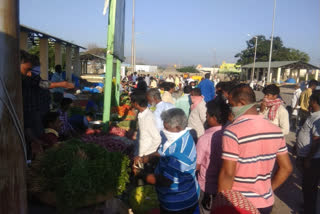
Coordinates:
(253,142)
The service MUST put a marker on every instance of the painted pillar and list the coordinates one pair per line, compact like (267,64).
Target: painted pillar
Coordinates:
(307,76)
(13,191)
(118,82)
(57,54)
(290,73)
(279,75)
(270,77)
(68,63)
(317,74)
(23,41)
(76,62)
(44,58)
(109,62)
(298,76)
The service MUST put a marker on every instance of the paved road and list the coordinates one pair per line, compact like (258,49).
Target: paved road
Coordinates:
(289,196)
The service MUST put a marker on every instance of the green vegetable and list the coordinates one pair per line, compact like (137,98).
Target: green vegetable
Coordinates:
(143,199)
(77,172)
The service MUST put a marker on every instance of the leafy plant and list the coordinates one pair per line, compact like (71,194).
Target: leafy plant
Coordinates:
(78,172)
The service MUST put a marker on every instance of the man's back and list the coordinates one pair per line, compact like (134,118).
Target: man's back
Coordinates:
(207,89)
(184,103)
(254,143)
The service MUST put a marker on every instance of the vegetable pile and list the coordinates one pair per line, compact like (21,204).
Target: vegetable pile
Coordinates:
(144,199)
(78,172)
(111,143)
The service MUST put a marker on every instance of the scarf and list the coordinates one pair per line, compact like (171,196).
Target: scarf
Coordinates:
(273,106)
(240,110)
(195,101)
(172,137)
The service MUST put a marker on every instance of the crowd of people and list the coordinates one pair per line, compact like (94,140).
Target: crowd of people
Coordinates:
(201,143)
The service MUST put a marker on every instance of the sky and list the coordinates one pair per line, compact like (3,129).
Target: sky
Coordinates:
(186,32)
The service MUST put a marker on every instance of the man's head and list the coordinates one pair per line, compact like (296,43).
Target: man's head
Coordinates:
(207,75)
(271,92)
(58,68)
(196,92)
(315,101)
(26,61)
(174,120)
(65,104)
(297,86)
(217,113)
(135,73)
(153,96)
(169,86)
(51,120)
(241,95)
(139,100)
(187,89)
(313,84)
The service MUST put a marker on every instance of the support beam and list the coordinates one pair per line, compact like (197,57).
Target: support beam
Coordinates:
(57,54)
(12,160)
(24,41)
(44,58)
(109,62)
(68,63)
(317,75)
(279,75)
(307,76)
(298,76)
(76,62)
(118,78)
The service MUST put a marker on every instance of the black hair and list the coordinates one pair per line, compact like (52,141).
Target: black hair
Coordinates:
(313,83)
(220,85)
(220,110)
(315,96)
(196,92)
(35,60)
(50,117)
(243,91)
(228,86)
(187,89)
(207,75)
(25,57)
(166,86)
(89,114)
(271,89)
(58,68)
(142,85)
(139,97)
(65,102)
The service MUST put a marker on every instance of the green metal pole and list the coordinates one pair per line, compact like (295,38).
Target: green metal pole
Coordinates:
(118,76)
(109,62)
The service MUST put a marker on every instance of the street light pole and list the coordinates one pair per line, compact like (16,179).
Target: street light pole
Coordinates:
(133,38)
(271,44)
(254,59)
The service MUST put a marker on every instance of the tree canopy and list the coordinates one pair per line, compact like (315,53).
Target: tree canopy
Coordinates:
(188,69)
(279,53)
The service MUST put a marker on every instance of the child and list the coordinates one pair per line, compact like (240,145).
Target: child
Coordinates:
(66,128)
(209,151)
(149,137)
(197,116)
(52,125)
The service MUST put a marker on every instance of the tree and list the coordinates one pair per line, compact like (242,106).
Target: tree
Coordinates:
(188,69)
(279,53)
(96,50)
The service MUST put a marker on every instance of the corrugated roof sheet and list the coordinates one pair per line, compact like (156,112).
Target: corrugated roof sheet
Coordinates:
(275,64)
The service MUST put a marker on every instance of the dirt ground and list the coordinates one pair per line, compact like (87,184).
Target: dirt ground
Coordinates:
(289,196)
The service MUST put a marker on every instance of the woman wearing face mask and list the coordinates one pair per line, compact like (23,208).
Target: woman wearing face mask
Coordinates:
(174,177)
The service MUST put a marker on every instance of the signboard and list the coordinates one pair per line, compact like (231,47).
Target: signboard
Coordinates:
(119,30)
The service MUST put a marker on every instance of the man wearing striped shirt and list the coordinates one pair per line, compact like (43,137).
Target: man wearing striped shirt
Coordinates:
(251,145)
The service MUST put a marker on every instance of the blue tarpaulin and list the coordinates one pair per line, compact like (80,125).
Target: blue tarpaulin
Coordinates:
(291,80)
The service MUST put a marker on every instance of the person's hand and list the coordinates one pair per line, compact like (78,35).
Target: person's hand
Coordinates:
(68,85)
(263,106)
(137,161)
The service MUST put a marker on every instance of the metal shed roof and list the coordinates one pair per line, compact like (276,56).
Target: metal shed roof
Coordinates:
(283,64)
(28,29)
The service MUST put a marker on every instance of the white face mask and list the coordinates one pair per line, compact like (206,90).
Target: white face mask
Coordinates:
(172,137)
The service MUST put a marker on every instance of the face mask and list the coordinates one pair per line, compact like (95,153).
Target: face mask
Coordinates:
(171,136)
(240,110)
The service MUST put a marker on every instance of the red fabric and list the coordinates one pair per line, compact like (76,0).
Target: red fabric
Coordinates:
(195,101)
(232,202)
(273,106)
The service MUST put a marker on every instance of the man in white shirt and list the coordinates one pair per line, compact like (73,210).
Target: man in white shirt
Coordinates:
(149,137)
(154,99)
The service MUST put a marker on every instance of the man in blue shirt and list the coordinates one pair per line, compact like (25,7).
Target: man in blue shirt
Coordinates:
(174,178)
(207,88)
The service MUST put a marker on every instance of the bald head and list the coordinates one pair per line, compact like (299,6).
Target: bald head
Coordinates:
(242,93)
